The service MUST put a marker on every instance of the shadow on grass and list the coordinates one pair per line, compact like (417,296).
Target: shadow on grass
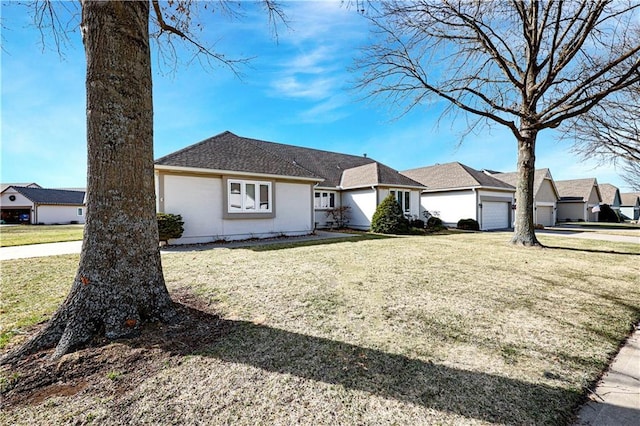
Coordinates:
(276,243)
(586,250)
(471,394)
(268,246)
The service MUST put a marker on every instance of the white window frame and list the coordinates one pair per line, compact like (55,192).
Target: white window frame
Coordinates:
(242,204)
(327,200)
(403,197)
(80,211)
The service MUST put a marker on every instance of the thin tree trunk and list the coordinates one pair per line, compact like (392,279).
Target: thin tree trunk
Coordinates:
(524,228)
(119,282)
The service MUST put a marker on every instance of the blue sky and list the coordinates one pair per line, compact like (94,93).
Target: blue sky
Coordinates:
(297,90)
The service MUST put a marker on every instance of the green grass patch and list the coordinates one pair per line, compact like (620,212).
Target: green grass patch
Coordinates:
(447,329)
(31,291)
(37,234)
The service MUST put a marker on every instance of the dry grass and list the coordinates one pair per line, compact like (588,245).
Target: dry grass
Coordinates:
(414,330)
(37,234)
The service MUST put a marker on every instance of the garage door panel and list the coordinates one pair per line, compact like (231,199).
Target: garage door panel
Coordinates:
(544,215)
(495,215)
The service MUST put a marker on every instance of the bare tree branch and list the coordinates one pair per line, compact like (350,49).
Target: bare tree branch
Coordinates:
(527,65)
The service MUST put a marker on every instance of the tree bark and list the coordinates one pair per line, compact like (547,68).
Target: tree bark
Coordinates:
(524,228)
(119,281)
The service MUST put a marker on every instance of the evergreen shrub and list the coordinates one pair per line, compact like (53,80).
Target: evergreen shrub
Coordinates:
(388,218)
(169,226)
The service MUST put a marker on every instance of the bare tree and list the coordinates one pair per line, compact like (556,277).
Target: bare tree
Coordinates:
(610,132)
(119,282)
(524,65)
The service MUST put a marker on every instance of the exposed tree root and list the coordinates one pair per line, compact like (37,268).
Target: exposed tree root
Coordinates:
(71,327)
(526,242)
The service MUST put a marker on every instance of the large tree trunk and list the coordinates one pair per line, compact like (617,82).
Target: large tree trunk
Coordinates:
(119,282)
(524,228)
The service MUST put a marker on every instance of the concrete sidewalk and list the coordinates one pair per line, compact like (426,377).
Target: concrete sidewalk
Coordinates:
(616,399)
(40,250)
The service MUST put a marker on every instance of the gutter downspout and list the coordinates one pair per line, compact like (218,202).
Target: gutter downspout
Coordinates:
(478,207)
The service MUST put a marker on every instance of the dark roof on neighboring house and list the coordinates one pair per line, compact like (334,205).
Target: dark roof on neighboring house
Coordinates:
(576,189)
(608,193)
(630,198)
(454,176)
(4,186)
(512,179)
(52,196)
(230,152)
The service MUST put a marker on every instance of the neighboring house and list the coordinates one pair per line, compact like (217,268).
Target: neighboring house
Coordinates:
(545,194)
(578,197)
(229,187)
(4,186)
(455,191)
(630,206)
(35,205)
(611,196)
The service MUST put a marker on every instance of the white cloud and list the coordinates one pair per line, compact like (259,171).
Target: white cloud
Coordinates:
(293,86)
(328,111)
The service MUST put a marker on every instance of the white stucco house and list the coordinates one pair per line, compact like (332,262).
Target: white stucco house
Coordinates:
(230,187)
(35,205)
(455,191)
(630,205)
(578,197)
(545,194)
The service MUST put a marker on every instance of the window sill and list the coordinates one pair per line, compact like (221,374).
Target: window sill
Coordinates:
(251,215)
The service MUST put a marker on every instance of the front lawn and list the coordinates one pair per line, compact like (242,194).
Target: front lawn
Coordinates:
(442,329)
(20,235)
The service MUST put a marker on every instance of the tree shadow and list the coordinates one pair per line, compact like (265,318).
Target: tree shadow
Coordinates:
(585,250)
(472,394)
(316,242)
(278,243)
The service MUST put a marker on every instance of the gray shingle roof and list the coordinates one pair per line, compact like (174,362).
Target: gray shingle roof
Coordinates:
(373,174)
(452,176)
(512,178)
(52,196)
(630,198)
(575,189)
(230,152)
(608,193)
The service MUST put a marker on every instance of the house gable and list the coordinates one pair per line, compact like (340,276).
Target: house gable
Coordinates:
(610,195)
(544,187)
(630,199)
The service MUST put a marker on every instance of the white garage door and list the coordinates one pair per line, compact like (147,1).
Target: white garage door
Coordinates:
(495,215)
(544,215)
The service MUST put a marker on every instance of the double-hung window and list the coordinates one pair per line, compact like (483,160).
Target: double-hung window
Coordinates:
(403,198)
(249,196)
(324,200)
